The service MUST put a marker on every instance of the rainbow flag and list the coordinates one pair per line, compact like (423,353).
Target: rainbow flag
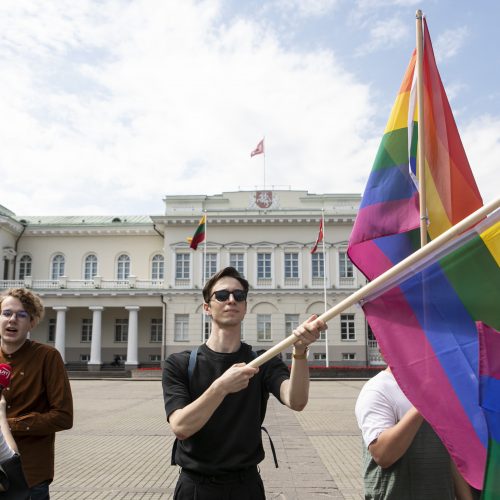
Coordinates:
(489,383)
(199,234)
(387,227)
(425,325)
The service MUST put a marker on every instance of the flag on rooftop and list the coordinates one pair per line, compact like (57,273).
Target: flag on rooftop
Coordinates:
(319,239)
(489,383)
(199,234)
(259,149)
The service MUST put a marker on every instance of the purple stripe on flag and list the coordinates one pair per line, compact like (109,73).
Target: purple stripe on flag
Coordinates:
(489,341)
(387,218)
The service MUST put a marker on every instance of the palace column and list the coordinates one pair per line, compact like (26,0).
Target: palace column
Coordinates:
(95,362)
(133,338)
(60,342)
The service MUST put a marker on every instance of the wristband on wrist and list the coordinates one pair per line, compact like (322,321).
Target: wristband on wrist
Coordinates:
(300,356)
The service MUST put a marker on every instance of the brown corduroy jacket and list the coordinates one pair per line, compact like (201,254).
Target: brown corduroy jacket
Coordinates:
(39,403)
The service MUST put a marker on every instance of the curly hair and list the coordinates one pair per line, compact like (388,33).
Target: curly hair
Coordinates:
(31,302)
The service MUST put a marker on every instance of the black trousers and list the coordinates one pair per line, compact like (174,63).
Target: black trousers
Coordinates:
(241,485)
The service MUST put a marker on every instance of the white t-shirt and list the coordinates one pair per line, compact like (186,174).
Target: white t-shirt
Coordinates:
(380,405)
(5,450)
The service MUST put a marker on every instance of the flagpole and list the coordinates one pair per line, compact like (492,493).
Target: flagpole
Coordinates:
(327,363)
(421,142)
(381,280)
(204,267)
(264,161)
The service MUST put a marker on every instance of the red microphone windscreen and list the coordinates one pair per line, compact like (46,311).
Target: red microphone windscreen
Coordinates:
(5,371)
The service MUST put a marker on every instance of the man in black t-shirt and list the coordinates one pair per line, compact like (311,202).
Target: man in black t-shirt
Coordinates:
(216,412)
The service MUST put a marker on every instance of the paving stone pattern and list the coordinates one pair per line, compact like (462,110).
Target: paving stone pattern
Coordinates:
(119,447)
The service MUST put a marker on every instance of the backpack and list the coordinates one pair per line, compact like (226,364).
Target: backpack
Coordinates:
(193,356)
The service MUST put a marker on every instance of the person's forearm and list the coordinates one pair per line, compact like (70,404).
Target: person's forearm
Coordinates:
(296,390)
(39,424)
(393,443)
(189,420)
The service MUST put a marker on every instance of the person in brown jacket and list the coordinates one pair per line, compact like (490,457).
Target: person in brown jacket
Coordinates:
(39,401)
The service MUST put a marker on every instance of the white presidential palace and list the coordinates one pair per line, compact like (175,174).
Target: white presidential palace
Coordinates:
(129,286)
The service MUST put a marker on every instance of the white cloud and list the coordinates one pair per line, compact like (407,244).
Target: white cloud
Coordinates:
(481,138)
(308,8)
(384,35)
(449,43)
(108,106)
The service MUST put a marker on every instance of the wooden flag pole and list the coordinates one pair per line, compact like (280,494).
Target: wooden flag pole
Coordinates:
(371,287)
(421,143)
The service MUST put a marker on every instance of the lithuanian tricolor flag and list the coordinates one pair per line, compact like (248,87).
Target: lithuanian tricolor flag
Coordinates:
(199,234)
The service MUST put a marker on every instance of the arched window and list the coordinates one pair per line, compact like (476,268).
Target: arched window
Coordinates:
(157,267)
(123,267)
(24,266)
(57,267)
(90,267)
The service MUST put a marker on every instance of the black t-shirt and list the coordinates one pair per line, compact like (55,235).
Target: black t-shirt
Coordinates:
(231,439)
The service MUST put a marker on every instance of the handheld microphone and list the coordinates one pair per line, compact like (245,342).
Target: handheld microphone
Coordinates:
(5,372)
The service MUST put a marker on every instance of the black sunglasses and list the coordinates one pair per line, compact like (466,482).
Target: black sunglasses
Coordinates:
(223,295)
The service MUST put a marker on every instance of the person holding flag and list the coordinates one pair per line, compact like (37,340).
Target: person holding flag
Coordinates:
(215,403)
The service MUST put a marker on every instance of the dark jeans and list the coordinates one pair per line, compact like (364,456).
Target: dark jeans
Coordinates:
(40,491)
(243,485)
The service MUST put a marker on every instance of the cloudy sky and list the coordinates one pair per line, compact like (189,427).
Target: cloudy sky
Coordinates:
(109,105)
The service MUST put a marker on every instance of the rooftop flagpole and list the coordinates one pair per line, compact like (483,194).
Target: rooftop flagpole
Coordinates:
(325,260)
(204,274)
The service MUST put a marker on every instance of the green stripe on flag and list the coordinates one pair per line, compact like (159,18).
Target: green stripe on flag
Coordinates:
(475,276)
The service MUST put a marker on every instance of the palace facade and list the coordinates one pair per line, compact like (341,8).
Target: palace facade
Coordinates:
(130,286)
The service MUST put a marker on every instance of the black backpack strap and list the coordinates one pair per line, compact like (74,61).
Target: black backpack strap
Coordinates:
(174,449)
(254,355)
(272,446)
(191,364)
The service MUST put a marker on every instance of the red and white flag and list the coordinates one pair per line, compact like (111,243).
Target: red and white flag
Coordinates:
(259,149)
(320,236)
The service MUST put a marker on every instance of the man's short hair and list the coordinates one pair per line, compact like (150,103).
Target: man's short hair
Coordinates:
(31,302)
(230,272)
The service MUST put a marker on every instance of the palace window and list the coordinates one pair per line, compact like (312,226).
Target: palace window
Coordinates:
(157,267)
(90,270)
(123,267)
(347,329)
(24,266)
(181,327)
(317,265)
(291,265)
(264,327)
(57,266)
(264,265)
(86,333)
(121,330)
(155,330)
(237,260)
